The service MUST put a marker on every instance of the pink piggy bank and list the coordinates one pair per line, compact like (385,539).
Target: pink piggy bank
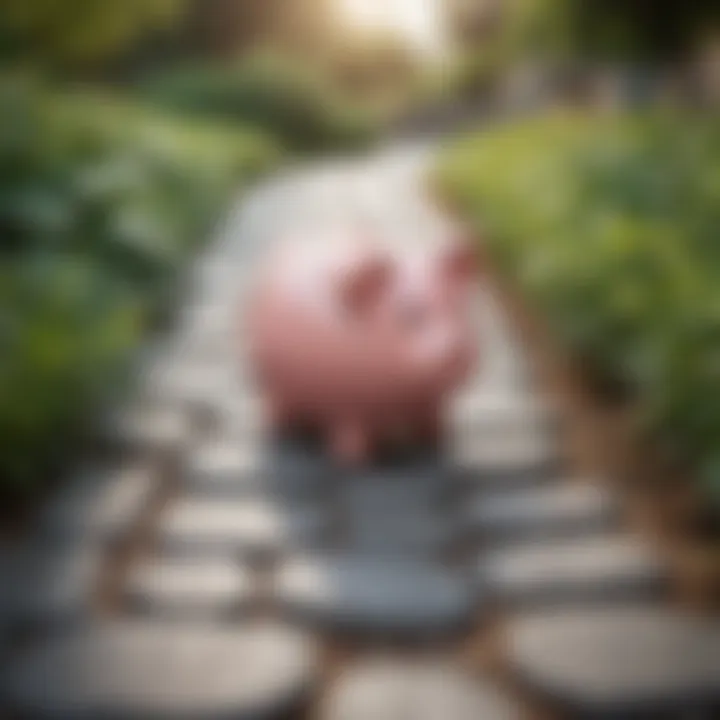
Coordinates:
(360,344)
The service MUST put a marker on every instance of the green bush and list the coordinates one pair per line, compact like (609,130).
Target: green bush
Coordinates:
(286,99)
(79,33)
(101,204)
(611,226)
(66,330)
(475,73)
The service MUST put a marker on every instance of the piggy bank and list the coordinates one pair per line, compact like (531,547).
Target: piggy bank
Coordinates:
(361,344)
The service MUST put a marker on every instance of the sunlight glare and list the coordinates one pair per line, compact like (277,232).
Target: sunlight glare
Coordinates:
(417,20)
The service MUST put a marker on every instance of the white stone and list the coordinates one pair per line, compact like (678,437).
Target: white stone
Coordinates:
(370,594)
(216,588)
(205,527)
(146,671)
(384,689)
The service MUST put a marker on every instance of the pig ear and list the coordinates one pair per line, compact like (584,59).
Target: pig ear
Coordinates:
(362,285)
(459,262)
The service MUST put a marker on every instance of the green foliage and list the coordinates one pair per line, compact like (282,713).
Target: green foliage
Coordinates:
(66,328)
(288,99)
(611,226)
(75,32)
(492,40)
(573,34)
(101,203)
(632,29)
(475,73)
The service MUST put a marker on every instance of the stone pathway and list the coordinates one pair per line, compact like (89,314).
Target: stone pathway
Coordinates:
(195,571)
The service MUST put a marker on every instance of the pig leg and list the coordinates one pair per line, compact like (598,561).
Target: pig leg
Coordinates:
(279,418)
(349,442)
(429,427)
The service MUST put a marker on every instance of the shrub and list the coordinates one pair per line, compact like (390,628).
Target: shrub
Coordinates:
(134,190)
(475,74)
(101,203)
(286,99)
(79,32)
(66,330)
(611,226)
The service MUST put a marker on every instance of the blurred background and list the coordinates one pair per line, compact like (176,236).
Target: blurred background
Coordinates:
(581,134)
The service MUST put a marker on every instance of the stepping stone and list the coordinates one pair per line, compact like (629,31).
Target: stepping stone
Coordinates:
(294,471)
(228,468)
(412,532)
(391,492)
(51,582)
(223,469)
(211,310)
(375,595)
(384,689)
(192,385)
(205,319)
(480,413)
(507,461)
(563,510)
(245,528)
(619,662)
(603,568)
(141,671)
(289,467)
(181,588)
(101,506)
(241,415)
(202,346)
(149,428)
